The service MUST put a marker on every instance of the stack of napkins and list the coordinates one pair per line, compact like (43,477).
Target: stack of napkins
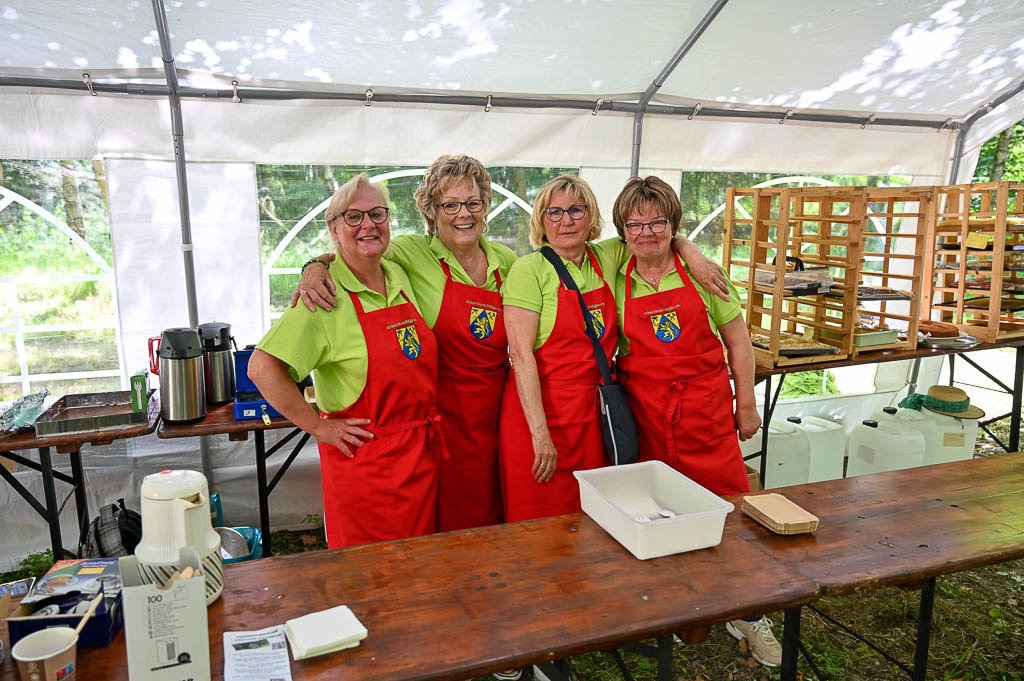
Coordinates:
(779,514)
(324,632)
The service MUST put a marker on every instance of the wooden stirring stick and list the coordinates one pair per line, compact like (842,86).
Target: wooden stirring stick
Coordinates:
(88,613)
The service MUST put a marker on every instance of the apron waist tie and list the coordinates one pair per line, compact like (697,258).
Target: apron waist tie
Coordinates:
(674,412)
(432,422)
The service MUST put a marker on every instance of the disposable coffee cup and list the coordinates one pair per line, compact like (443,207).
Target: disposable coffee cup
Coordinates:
(46,655)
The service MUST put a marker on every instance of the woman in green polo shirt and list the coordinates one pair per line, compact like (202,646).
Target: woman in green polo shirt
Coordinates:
(375,365)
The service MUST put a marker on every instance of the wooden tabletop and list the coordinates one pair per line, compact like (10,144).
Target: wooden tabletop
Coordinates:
(883,356)
(902,527)
(73,441)
(220,419)
(461,604)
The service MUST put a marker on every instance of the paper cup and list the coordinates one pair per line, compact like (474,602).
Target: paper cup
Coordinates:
(47,655)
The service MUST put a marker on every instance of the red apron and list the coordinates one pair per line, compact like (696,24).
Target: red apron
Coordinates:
(678,386)
(471,371)
(568,386)
(388,490)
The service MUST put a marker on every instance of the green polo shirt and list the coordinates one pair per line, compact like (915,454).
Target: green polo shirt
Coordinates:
(420,256)
(533,284)
(331,344)
(719,311)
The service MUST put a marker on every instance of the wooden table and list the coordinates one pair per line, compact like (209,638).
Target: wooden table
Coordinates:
(1016,390)
(462,604)
(903,528)
(70,444)
(220,420)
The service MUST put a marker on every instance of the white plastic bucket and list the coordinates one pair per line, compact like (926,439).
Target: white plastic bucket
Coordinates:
(789,455)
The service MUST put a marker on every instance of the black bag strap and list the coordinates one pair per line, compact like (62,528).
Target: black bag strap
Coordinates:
(563,274)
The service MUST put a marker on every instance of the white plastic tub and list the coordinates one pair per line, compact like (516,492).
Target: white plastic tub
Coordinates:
(621,498)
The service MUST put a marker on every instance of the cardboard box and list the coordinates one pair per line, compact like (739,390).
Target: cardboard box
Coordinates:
(755,479)
(166,632)
(88,576)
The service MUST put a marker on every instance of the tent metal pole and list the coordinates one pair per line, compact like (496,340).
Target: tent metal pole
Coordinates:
(965,127)
(659,80)
(137,90)
(178,133)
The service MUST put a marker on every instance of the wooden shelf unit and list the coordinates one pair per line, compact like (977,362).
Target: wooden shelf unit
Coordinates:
(823,227)
(896,230)
(996,210)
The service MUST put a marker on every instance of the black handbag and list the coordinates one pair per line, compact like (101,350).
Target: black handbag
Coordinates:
(618,428)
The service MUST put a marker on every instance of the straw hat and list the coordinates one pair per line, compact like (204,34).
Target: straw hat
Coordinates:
(944,399)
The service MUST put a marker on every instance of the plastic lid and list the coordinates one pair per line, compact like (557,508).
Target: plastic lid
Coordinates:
(870,423)
(178,484)
(216,336)
(889,410)
(180,343)
(793,419)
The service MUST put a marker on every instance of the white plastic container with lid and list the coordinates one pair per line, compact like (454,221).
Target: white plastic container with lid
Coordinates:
(878,447)
(953,438)
(826,442)
(789,456)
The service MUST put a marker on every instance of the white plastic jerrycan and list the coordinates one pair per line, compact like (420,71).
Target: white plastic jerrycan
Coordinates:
(878,447)
(954,438)
(826,442)
(176,513)
(788,455)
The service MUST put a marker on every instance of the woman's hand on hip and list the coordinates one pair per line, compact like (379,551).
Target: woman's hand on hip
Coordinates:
(747,421)
(316,288)
(345,434)
(545,458)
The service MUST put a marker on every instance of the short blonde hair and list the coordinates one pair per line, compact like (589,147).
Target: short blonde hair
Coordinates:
(442,174)
(577,188)
(647,191)
(342,197)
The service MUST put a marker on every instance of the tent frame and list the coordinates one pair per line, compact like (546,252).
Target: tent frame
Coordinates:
(175,93)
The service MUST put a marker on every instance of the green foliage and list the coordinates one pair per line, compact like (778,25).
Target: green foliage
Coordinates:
(1014,171)
(33,565)
(287,193)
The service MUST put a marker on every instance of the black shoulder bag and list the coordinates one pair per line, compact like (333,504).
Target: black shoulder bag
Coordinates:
(617,425)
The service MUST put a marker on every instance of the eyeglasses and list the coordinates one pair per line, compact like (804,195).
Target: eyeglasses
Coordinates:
(575,212)
(637,228)
(354,216)
(453,207)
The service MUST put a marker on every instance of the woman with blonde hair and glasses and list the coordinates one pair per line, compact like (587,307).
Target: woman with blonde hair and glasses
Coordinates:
(457,274)
(374,360)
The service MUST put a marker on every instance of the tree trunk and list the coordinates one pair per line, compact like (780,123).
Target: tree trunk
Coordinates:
(523,220)
(327,175)
(1002,149)
(72,203)
(100,171)
(1,173)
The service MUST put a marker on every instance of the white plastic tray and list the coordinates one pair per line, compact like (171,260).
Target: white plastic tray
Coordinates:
(619,498)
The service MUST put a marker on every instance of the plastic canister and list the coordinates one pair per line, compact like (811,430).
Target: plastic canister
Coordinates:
(953,439)
(826,441)
(788,455)
(877,447)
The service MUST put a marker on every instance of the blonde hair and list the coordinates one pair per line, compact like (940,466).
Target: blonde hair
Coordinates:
(651,191)
(442,174)
(342,197)
(579,189)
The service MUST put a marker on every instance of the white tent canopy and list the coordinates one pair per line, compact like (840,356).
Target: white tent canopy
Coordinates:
(861,88)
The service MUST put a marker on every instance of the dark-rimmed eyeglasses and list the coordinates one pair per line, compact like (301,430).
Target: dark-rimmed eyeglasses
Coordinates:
(576,212)
(354,217)
(637,228)
(453,207)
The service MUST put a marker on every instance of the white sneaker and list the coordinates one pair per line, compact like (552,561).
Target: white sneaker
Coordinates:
(763,645)
(509,675)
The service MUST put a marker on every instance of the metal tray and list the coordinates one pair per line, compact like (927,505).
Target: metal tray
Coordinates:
(89,412)
(800,352)
(959,342)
